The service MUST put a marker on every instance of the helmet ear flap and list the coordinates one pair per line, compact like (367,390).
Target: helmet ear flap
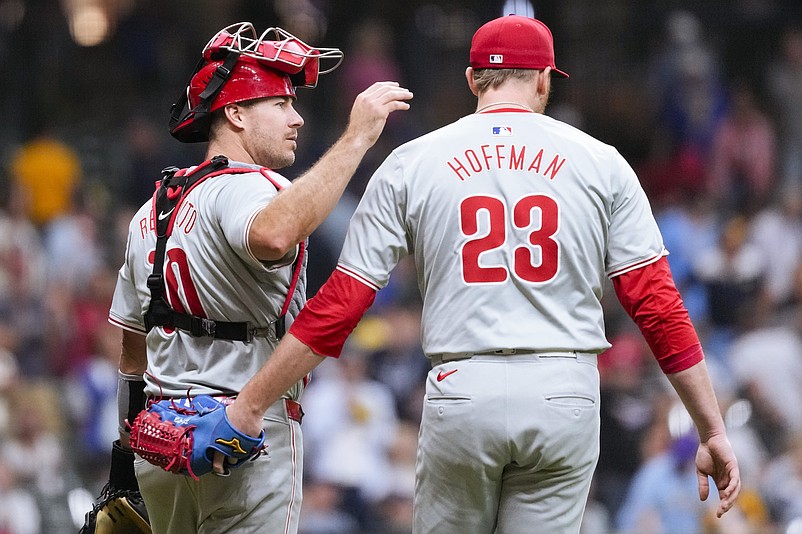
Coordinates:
(194,128)
(181,124)
(191,125)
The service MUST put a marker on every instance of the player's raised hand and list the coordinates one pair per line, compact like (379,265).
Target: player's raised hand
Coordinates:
(715,458)
(372,107)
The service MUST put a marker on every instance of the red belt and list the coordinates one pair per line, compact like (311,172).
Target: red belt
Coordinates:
(294,410)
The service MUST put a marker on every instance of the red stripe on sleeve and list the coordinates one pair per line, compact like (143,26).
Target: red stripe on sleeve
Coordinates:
(332,314)
(651,299)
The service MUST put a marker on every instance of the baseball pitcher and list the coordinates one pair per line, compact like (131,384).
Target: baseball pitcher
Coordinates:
(514,220)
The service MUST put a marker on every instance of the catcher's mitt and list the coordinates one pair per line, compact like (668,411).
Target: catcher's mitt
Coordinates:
(181,436)
(119,509)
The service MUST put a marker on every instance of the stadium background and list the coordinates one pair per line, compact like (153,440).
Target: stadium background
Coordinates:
(703,98)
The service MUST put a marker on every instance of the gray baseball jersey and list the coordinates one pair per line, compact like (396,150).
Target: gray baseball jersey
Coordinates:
(513,228)
(209,271)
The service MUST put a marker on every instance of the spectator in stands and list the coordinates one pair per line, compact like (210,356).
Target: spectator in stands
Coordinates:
(766,361)
(776,232)
(19,513)
(733,274)
(784,82)
(686,87)
(661,497)
(23,286)
(626,414)
(348,443)
(91,401)
(48,171)
(690,228)
(782,484)
(743,153)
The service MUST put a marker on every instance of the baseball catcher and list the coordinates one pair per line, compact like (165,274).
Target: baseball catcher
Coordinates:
(214,271)
(119,508)
(181,436)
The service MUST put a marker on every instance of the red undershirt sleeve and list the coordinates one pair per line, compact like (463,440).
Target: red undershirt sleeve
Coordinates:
(651,299)
(332,314)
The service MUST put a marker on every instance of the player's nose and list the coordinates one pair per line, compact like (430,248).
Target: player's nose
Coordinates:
(296,121)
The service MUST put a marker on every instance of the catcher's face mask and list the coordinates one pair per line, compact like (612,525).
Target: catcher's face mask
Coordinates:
(237,65)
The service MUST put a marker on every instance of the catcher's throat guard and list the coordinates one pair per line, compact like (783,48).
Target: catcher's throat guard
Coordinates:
(238,64)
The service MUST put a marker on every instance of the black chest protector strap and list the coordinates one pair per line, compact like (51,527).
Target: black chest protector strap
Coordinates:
(169,194)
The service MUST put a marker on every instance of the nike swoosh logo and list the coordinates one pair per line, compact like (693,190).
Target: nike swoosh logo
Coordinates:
(442,375)
(163,216)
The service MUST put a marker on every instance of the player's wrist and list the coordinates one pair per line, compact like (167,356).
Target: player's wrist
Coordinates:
(125,440)
(246,414)
(355,142)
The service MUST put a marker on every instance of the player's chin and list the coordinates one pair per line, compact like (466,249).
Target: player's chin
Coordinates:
(291,148)
(285,159)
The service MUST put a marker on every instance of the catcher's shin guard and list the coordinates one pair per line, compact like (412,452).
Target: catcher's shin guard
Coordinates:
(119,508)
(121,512)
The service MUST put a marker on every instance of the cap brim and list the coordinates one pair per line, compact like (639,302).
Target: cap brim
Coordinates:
(560,73)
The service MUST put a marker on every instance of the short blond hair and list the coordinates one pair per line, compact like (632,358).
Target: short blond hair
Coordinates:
(492,78)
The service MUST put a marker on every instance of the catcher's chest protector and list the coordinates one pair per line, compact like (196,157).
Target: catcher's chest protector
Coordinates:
(173,188)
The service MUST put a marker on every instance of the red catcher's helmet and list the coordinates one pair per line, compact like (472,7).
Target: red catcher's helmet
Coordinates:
(237,65)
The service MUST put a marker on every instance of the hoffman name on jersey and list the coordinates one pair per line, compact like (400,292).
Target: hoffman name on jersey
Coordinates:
(505,157)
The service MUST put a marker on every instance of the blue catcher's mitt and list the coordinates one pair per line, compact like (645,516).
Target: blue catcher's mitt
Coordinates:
(181,436)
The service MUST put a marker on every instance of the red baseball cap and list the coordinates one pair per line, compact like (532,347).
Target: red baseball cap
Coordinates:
(513,42)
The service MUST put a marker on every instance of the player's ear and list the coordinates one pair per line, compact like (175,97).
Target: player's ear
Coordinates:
(471,82)
(234,115)
(544,81)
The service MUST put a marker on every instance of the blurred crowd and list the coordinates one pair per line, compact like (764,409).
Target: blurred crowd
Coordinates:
(703,98)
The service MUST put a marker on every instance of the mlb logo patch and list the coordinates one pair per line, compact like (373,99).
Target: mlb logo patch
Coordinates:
(502,131)
(496,58)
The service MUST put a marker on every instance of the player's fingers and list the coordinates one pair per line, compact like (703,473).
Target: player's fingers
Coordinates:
(395,104)
(391,101)
(729,494)
(385,92)
(727,499)
(218,463)
(378,87)
(704,485)
(400,106)
(399,96)
(374,90)
(368,115)
(396,93)
(385,103)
